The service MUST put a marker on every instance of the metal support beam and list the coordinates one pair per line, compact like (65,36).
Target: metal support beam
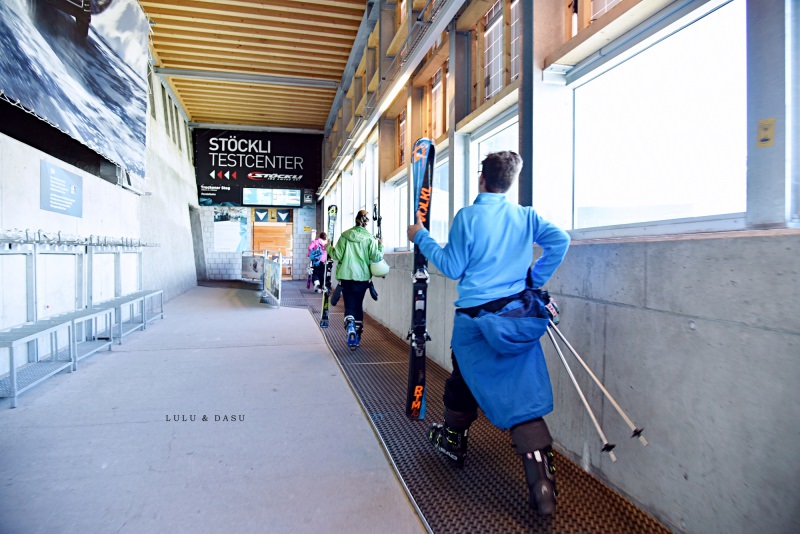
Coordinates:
(217,126)
(419,48)
(368,22)
(526,104)
(295,81)
(458,99)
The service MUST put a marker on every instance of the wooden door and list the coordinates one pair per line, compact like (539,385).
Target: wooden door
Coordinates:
(277,237)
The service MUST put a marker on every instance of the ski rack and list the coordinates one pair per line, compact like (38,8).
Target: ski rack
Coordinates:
(607,447)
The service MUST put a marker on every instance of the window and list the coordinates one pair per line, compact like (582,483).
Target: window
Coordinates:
(663,135)
(349,198)
(493,50)
(188,140)
(437,105)
(516,40)
(401,138)
(601,7)
(175,117)
(172,118)
(440,203)
(401,205)
(447,84)
(150,95)
(505,137)
(164,107)
(178,122)
(360,170)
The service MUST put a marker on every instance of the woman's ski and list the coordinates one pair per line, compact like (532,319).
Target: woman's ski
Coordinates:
(422,159)
(326,289)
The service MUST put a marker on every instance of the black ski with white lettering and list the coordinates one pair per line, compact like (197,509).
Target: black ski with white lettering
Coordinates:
(326,289)
(422,159)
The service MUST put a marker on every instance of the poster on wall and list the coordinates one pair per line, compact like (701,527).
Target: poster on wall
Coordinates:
(60,191)
(230,229)
(236,167)
(80,66)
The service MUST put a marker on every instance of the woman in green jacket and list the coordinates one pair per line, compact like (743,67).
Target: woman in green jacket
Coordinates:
(355,250)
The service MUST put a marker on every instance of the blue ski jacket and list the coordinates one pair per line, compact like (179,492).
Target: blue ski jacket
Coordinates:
(490,251)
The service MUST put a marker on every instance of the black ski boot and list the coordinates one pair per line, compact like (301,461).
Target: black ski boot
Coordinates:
(540,476)
(450,442)
(359,329)
(350,329)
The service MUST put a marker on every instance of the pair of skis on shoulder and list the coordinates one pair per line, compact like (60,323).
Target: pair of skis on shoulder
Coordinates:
(423,156)
(422,159)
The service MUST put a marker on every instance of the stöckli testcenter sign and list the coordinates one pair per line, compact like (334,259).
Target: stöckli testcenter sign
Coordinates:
(244,168)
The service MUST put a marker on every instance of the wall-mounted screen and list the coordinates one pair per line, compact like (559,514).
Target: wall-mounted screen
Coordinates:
(259,196)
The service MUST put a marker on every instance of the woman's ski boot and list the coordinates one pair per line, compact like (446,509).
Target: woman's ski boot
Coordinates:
(352,335)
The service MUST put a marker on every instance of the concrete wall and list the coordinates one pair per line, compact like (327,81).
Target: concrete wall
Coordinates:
(698,340)
(107,210)
(164,214)
(159,216)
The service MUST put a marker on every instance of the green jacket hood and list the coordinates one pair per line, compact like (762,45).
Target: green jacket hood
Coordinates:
(354,251)
(357,234)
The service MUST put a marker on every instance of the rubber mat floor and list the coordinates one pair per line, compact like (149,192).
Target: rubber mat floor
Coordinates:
(489,494)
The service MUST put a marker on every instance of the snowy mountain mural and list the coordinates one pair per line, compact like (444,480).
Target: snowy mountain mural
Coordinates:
(92,86)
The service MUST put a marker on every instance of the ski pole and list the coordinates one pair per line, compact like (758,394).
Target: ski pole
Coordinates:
(637,432)
(607,447)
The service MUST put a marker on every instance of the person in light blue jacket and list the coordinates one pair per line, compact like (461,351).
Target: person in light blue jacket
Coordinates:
(501,312)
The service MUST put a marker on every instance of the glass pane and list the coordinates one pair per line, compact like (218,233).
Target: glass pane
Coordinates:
(493,57)
(663,135)
(505,138)
(440,204)
(401,193)
(516,41)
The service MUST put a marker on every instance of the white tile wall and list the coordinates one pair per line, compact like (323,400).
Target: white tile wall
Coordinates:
(228,265)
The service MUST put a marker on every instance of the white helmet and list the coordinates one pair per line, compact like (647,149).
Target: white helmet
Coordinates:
(379,269)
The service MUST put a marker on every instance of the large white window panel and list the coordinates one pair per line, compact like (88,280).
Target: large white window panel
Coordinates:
(663,135)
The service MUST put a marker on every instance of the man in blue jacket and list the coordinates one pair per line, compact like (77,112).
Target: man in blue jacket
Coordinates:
(498,363)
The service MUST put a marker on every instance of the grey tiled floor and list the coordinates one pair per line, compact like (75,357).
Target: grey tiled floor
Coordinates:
(99,450)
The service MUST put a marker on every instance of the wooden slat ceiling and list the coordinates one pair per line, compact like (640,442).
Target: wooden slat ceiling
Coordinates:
(222,57)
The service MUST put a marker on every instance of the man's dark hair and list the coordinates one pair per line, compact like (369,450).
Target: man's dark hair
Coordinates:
(500,169)
(362,218)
